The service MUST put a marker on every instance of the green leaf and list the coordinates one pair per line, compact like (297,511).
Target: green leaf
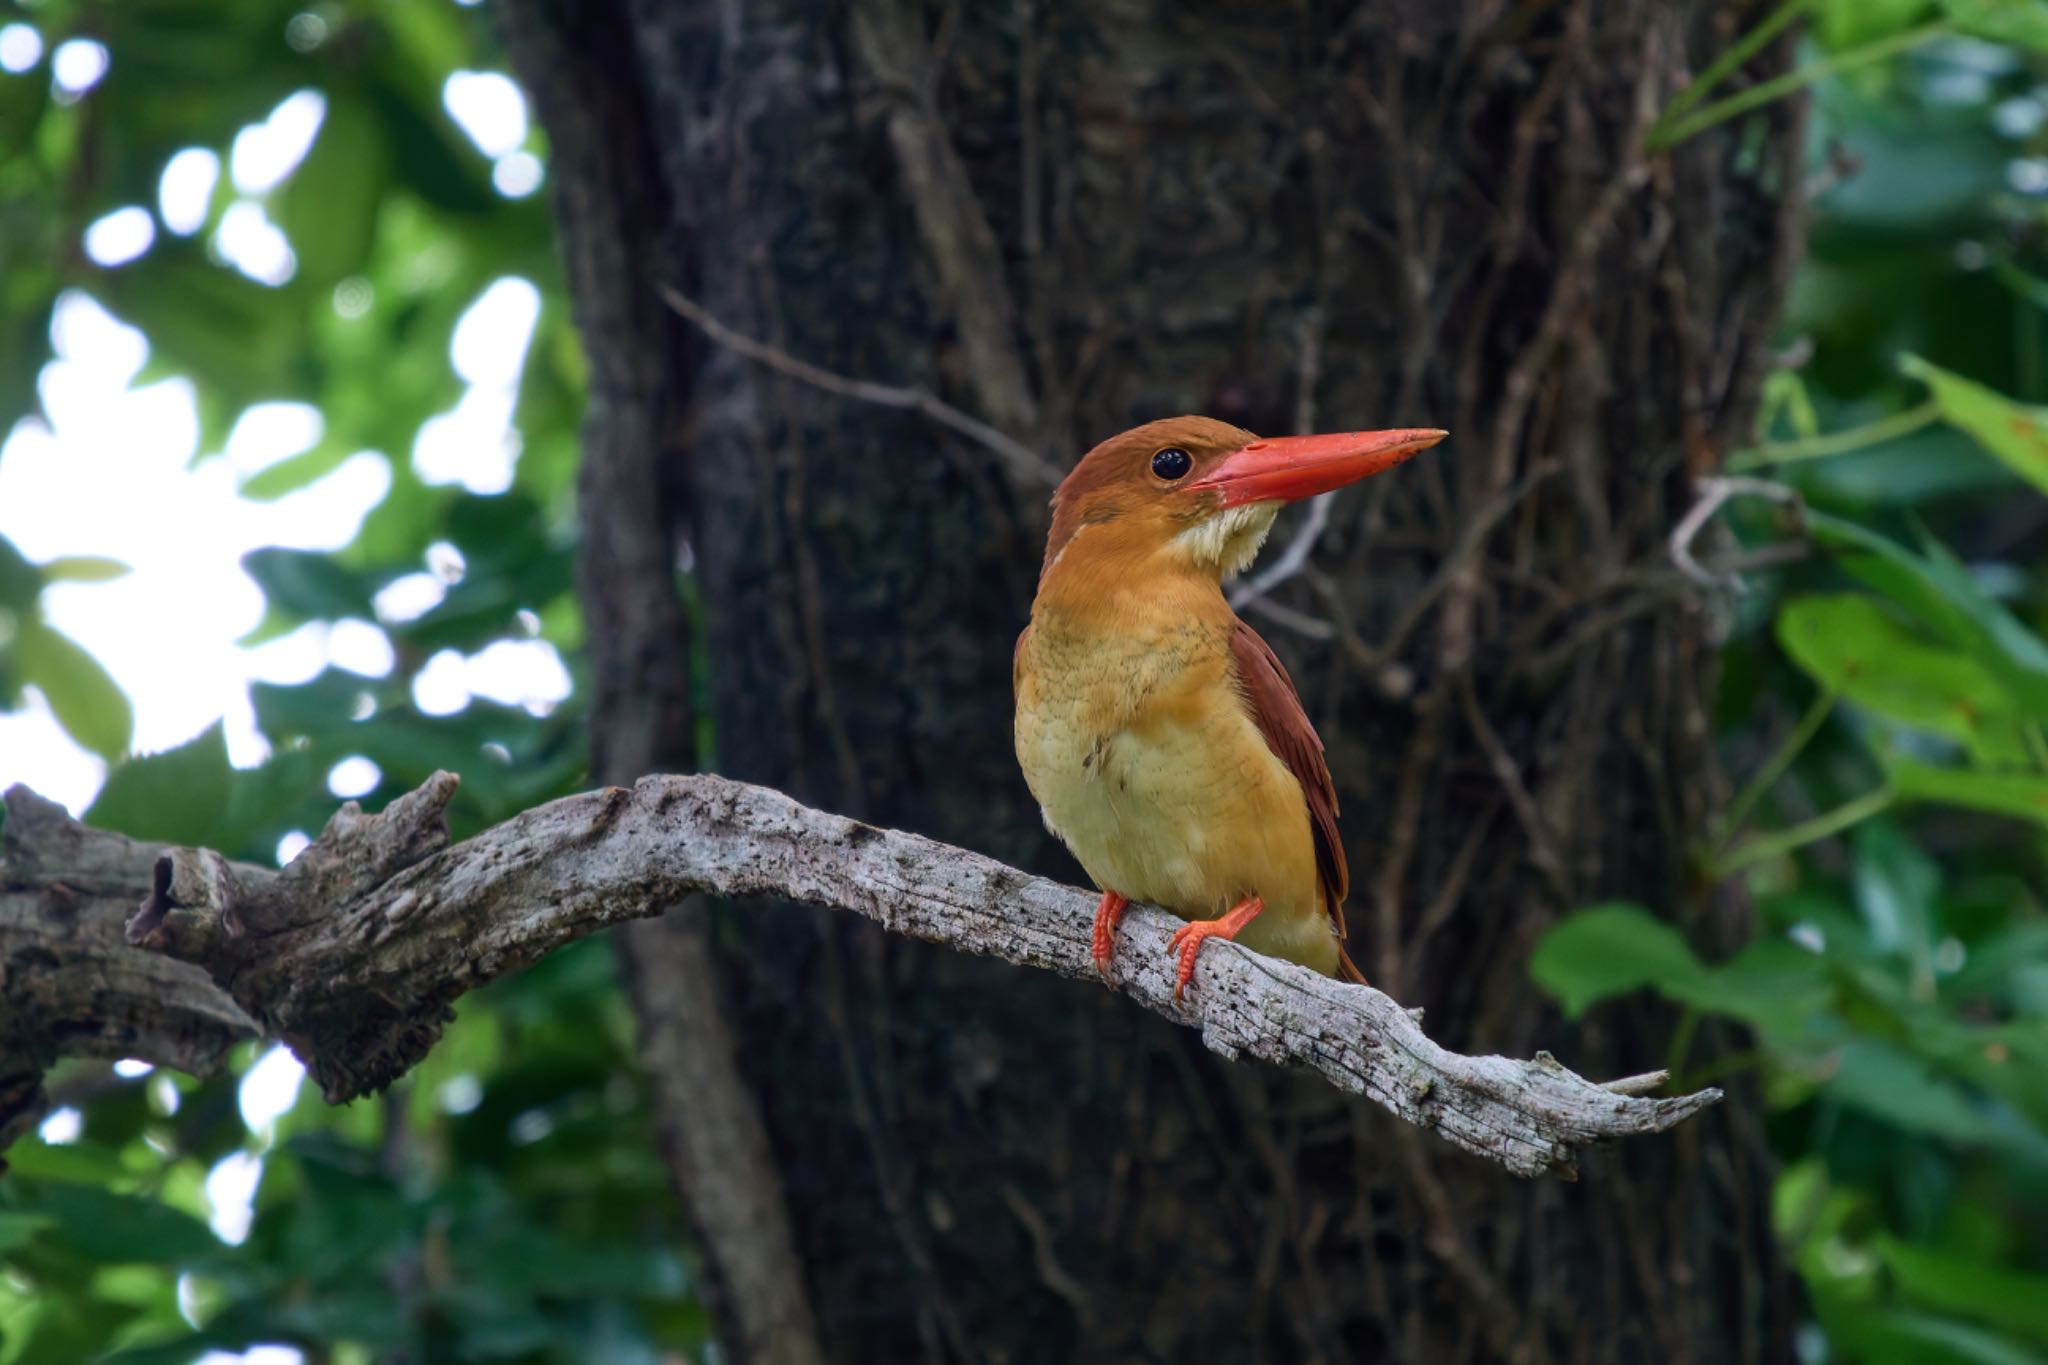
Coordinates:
(62,1328)
(531,1262)
(431,156)
(174,797)
(32,285)
(367,1320)
(86,700)
(21,582)
(309,584)
(2017,794)
(2023,23)
(321,707)
(267,800)
(2020,657)
(1850,644)
(400,527)
(2005,958)
(1911,1093)
(1940,591)
(1607,950)
(1845,24)
(290,475)
(1772,984)
(18,1229)
(101,1225)
(1932,465)
(179,1350)
(329,206)
(1871,1335)
(240,337)
(2015,433)
(84,569)
(1896,885)
(190,70)
(561,623)
(1785,395)
(90,1162)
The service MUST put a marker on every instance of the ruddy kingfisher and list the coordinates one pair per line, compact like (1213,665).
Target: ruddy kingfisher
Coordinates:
(1162,738)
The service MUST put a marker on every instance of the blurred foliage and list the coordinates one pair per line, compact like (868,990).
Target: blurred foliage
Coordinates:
(1885,711)
(505,1202)
(88,703)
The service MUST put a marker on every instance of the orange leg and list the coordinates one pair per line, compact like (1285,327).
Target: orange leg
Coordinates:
(1106,916)
(1188,939)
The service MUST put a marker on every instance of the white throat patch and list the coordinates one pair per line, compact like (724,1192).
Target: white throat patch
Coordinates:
(1229,541)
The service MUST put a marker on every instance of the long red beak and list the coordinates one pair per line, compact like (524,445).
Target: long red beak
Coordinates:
(1289,468)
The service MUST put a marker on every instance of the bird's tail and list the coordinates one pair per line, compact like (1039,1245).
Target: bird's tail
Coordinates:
(1347,970)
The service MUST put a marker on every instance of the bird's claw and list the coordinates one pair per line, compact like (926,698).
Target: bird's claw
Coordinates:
(1189,938)
(1107,913)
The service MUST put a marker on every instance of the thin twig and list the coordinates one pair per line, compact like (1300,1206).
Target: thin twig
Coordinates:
(1649,1083)
(1471,541)
(1714,494)
(1026,463)
(1825,825)
(1045,1255)
(1300,622)
(1775,767)
(1667,135)
(1289,562)
(1542,838)
(1839,442)
(1731,60)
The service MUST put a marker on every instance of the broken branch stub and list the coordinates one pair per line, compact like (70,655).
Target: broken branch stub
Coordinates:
(70,984)
(270,940)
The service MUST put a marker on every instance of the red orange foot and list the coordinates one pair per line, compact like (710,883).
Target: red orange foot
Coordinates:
(1188,939)
(1107,913)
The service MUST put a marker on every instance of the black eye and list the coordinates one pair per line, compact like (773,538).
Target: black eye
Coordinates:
(1172,463)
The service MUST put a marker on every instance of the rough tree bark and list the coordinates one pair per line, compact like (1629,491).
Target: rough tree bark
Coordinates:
(1068,217)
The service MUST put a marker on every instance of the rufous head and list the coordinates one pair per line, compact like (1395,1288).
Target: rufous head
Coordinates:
(1203,493)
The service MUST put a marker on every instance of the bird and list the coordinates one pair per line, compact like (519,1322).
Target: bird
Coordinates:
(1162,738)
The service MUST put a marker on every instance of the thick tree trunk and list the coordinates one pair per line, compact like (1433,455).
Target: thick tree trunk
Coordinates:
(1071,217)
(613,205)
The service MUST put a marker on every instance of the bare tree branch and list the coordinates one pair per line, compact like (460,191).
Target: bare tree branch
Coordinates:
(354,952)
(1031,468)
(1714,494)
(1308,372)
